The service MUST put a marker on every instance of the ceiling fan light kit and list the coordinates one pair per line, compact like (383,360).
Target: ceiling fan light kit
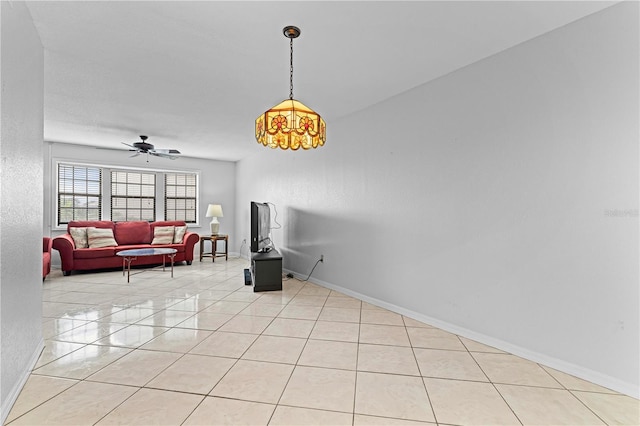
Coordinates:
(291,124)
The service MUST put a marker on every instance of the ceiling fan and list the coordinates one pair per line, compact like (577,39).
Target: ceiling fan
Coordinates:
(145,147)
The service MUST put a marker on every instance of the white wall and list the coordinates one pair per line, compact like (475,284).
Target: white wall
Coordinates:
(20,200)
(499,201)
(217,184)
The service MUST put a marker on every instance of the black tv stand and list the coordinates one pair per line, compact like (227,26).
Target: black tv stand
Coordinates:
(266,271)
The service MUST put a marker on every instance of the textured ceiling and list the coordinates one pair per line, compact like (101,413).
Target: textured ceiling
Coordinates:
(195,75)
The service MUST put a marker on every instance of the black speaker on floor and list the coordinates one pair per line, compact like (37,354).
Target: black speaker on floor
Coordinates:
(247,277)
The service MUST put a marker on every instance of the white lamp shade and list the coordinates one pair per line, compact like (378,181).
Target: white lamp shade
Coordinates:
(214,210)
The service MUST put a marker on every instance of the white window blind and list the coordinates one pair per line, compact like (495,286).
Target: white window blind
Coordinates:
(133,196)
(180,196)
(79,193)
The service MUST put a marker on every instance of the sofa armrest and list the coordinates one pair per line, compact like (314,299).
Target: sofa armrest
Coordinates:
(65,245)
(47,244)
(190,239)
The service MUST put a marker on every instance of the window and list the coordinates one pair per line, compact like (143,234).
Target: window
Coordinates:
(125,194)
(133,196)
(79,193)
(180,191)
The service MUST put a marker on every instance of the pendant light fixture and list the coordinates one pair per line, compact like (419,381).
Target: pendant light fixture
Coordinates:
(291,124)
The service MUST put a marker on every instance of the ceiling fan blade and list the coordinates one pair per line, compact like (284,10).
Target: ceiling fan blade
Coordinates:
(167,151)
(135,155)
(162,155)
(130,146)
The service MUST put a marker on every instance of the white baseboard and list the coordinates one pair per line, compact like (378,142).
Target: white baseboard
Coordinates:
(557,364)
(11,398)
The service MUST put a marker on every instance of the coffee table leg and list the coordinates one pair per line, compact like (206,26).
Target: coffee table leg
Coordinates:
(129,260)
(172,256)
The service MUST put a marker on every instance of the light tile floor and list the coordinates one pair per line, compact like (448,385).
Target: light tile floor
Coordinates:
(204,349)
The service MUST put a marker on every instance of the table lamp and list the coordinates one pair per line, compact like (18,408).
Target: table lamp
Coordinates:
(214,211)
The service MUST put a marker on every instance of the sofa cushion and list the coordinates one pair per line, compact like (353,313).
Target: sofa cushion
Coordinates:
(167,223)
(135,232)
(179,234)
(94,253)
(100,237)
(79,236)
(163,235)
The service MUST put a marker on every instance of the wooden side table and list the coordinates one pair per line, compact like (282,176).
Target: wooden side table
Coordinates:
(214,246)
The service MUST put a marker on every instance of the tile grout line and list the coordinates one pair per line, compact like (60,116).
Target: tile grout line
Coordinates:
(572,394)
(424,384)
(294,366)
(494,386)
(355,384)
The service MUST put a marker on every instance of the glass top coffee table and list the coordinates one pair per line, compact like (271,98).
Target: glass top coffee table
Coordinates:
(130,255)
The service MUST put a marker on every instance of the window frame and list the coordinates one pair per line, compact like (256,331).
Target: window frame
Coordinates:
(128,186)
(73,194)
(105,200)
(176,198)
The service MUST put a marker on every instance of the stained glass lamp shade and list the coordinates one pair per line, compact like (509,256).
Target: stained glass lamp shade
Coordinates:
(290,125)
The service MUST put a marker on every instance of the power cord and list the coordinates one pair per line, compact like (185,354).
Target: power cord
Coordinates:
(275,218)
(287,277)
(312,269)
(271,243)
(244,244)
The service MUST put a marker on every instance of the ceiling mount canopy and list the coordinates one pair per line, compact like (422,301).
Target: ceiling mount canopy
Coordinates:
(291,124)
(291,31)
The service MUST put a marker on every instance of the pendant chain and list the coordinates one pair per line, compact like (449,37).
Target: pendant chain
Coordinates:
(291,70)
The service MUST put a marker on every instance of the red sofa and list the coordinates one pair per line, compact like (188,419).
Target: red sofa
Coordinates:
(128,235)
(47,244)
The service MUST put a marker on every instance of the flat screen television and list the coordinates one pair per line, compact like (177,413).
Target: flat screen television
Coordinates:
(260,227)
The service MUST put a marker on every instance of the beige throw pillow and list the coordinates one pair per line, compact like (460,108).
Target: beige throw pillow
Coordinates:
(163,235)
(179,234)
(79,236)
(101,237)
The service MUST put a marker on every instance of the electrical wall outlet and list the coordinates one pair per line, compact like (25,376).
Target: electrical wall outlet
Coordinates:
(322,258)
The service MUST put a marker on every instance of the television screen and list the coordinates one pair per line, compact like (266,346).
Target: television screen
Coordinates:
(260,227)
